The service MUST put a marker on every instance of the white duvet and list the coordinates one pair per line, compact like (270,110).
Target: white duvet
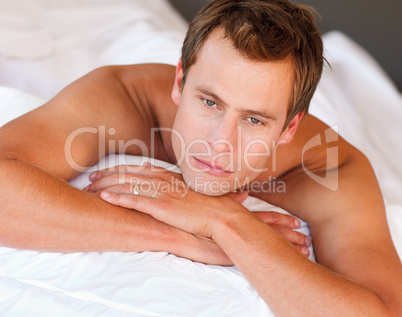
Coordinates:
(42,51)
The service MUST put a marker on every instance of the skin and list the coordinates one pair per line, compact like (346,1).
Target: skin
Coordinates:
(201,116)
(348,225)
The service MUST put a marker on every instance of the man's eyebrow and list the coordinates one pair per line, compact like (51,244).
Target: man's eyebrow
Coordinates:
(262,114)
(216,98)
(208,92)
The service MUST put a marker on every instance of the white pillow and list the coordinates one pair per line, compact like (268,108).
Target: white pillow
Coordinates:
(14,103)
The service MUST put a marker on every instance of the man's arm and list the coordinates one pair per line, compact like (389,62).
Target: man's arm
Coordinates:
(40,210)
(348,225)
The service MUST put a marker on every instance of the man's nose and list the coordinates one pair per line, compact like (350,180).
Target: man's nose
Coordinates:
(223,136)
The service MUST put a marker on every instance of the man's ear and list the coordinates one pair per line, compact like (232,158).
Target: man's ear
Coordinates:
(176,92)
(290,131)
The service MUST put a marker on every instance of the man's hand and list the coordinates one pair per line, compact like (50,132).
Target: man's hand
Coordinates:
(155,182)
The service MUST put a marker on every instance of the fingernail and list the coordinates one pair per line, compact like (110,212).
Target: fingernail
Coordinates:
(297,223)
(308,241)
(105,194)
(85,189)
(305,251)
(92,175)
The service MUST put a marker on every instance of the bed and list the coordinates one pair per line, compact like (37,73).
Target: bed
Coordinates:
(47,44)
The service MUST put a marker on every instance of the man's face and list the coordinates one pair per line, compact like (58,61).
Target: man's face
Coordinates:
(230,116)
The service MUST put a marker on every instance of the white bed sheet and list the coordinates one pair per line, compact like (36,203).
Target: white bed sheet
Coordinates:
(58,41)
(42,51)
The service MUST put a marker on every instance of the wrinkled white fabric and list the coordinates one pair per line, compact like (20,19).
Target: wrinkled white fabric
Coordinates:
(58,41)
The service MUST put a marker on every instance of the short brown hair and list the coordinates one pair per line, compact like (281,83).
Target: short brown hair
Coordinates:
(264,30)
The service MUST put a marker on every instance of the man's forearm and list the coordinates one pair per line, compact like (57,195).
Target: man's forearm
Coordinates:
(41,212)
(348,226)
(292,285)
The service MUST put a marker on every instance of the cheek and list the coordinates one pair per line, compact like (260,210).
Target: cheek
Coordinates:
(185,120)
(255,155)
(188,126)
(184,132)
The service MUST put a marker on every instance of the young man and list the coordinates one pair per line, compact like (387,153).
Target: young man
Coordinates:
(247,74)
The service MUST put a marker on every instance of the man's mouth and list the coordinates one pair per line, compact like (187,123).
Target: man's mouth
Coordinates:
(211,168)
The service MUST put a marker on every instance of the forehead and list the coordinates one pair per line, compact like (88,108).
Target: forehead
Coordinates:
(238,80)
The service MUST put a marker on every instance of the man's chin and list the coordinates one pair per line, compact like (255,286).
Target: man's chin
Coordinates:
(207,187)
(209,193)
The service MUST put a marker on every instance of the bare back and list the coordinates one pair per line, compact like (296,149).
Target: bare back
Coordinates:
(102,112)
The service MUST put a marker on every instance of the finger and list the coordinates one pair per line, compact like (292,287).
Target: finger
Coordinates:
(292,236)
(162,208)
(303,250)
(129,201)
(131,189)
(115,178)
(277,218)
(240,197)
(94,176)
(144,204)
(125,184)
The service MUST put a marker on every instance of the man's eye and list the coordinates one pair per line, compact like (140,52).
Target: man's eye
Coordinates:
(209,103)
(254,120)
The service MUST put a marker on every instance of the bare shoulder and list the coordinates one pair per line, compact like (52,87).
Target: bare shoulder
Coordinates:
(151,91)
(310,151)
(110,105)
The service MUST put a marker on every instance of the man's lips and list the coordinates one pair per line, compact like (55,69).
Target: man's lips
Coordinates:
(211,168)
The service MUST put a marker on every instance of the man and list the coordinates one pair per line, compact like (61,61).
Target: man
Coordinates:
(247,74)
